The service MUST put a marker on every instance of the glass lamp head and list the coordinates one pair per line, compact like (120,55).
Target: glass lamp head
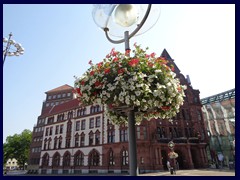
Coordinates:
(126,14)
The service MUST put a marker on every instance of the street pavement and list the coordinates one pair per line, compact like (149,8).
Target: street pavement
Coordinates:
(189,172)
(195,172)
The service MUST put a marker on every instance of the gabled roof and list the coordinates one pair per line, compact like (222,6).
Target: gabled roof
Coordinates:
(61,108)
(166,55)
(60,88)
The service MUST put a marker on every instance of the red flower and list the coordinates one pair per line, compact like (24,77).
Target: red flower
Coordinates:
(113,52)
(90,62)
(106,71)
(150,64)
(92,73)
(77,90)
(127,52)
(115,59)
(120,71)
(165,108)
(100,64)
(97,83)
(179,89)
(153,55)
(82,82)
(134,62)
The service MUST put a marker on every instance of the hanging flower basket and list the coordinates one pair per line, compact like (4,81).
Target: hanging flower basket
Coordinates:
(172,155)
(142,82)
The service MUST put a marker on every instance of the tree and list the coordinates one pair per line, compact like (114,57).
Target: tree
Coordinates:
(17,146)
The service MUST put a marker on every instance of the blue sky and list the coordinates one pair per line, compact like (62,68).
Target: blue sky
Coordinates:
(59,41)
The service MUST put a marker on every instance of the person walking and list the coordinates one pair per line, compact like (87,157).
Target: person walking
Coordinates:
(168,166)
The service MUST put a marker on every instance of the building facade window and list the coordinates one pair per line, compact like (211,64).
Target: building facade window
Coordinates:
(56,160)
(123,135)
(66,159)
(55,143)
(111,158)
(124,157)
(60,142)
(138,132)
(94,158)
(91,123)
(79,159)
(46,132)
(69,126)
(50,131)
(98,121)
(77,140)
(90,138)
(45,159)
(199,116)
(111,136)
(77,125)
(82,140)
(97,138)
(56,129)
(50,120)
(70,115)
(61,129)
(49,143)
(68,142)
(83,124)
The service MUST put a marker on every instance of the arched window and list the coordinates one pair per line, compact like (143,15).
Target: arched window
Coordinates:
(66,159)
(60,142)
(77,140)
(49,143)
(45,159)
(124,156)
(93,158)
(55,143)
(79,159)
(90,138)
(70,115)
(45,144)
(69,126)
(111,158)
(97,137)
(56,160)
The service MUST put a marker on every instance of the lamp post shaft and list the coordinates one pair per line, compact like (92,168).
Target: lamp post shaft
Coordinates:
(132,145)
(7,48)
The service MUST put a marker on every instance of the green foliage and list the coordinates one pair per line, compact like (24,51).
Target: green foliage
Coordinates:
(17,146)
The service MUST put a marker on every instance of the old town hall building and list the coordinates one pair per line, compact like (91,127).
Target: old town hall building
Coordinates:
(70,138)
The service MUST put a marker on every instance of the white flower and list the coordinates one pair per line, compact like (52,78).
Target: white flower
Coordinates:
(138,93)
(133,97)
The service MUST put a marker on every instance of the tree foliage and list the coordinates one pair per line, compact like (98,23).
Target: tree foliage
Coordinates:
(17,146)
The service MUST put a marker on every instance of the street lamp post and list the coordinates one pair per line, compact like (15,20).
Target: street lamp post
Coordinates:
(125,16)
(7,51)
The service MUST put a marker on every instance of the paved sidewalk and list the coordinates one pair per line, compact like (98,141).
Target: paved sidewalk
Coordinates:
(188,172)
(195,172)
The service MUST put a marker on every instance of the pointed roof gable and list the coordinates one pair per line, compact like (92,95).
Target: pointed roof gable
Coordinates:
(166,55)
(60,88)
(170,61)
